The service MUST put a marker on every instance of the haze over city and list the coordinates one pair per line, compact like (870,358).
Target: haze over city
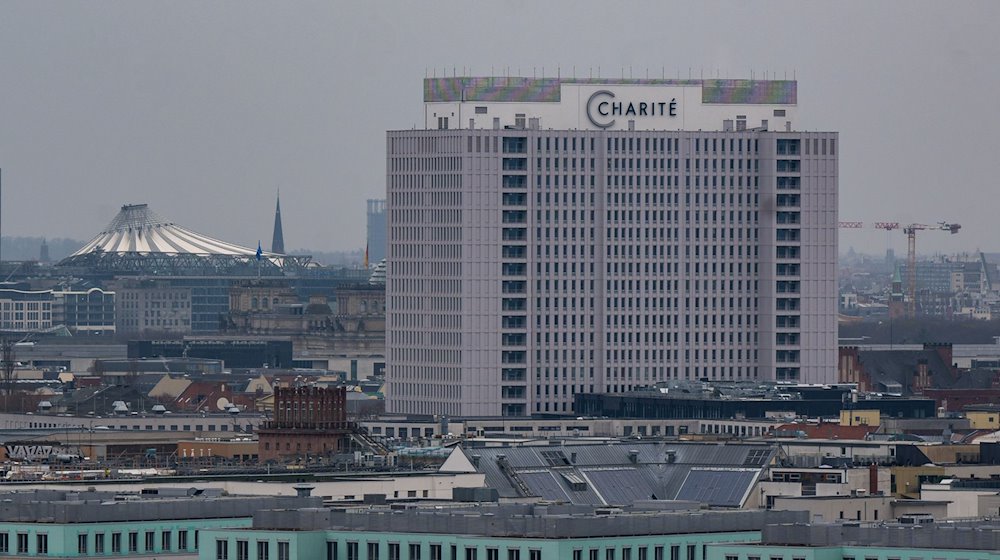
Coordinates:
(205,110)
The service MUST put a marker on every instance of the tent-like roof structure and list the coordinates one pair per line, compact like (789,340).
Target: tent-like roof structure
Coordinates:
(137,229)
(139,241)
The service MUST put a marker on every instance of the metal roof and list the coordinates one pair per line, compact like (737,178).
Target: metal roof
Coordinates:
(718,487)
(621,473)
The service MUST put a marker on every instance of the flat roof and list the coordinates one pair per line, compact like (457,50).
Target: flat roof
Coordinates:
(526,520)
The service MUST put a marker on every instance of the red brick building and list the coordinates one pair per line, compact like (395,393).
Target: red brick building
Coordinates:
(308,422)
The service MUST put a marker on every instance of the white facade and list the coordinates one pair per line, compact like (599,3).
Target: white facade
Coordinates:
(538,250)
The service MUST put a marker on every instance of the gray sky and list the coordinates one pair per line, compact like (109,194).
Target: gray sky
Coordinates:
(205,109)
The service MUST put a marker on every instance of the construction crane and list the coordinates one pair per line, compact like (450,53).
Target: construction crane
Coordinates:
(911,250)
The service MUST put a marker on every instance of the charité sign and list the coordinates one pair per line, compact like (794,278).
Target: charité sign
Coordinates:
(603,108)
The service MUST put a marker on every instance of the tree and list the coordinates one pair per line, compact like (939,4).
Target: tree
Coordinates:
(7,365)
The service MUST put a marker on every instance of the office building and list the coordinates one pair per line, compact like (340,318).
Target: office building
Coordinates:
(481,531)
(377,234)
(550,237)
(24,309)
(153,523)
(914,536)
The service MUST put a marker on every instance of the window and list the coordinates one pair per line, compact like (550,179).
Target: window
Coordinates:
(22,543)
(492,554)
(98,543)
(4,543)
(692,551)
(242,550)
(150,541)
(165,541)
(675,552)
(513,554)
(182,540)
(471,553)
(221,549)
(732,557)
(352,551)
(436,552)
(372,551)
(116,543)
(415,551)
(133,541)
(535,554)
(263,550)
(393,551)
(609,554)
(331,550)
(284,550)
(42,543)
(81,543)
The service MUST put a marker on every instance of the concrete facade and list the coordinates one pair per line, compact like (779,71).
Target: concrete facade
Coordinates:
(529,264)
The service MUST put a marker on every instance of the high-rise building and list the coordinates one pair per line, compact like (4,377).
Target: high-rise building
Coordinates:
(377,234)
(555,236)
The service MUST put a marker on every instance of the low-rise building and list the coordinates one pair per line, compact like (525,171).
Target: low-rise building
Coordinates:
(164,522)
(644,531)
(915,538)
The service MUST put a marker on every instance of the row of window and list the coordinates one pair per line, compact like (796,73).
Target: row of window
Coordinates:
(282,549)
(98,543)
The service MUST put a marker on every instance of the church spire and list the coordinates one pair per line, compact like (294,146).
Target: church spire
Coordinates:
(278,241)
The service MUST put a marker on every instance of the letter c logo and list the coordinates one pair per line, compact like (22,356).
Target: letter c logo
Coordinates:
(599,106)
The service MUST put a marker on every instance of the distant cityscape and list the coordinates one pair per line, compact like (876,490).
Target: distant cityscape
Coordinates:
(594,319)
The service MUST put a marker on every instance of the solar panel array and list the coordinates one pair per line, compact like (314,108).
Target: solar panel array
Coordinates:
(717,487)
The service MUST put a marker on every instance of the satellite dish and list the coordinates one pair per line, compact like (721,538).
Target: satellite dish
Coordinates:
(222,403)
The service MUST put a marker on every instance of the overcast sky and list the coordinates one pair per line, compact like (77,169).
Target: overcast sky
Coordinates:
(204,110)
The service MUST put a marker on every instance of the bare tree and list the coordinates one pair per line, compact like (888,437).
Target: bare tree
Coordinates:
(7,365)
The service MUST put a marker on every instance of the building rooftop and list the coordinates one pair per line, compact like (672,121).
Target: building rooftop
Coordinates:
(532,521)
(970,535)
(57,506)
(547,90)
(621,473)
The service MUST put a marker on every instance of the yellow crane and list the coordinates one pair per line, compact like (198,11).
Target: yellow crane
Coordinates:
(911,250)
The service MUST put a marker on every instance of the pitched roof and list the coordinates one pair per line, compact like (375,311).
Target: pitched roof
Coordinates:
(620,473)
